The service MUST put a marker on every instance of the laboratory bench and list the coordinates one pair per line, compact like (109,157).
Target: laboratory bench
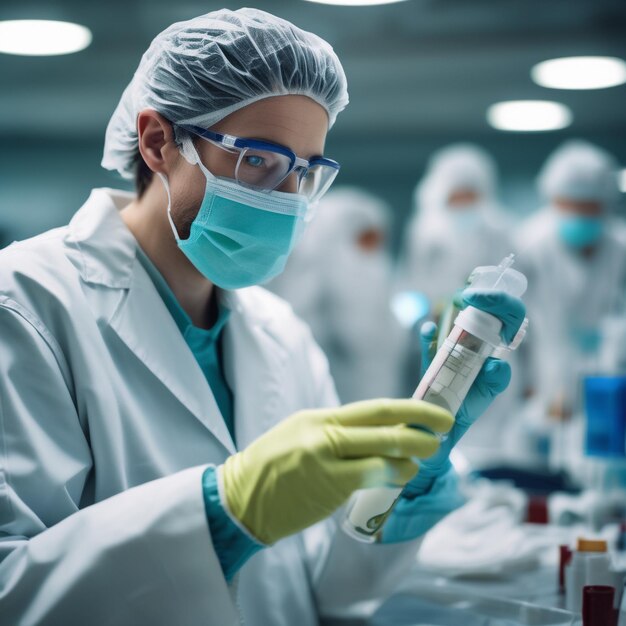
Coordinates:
(524,599)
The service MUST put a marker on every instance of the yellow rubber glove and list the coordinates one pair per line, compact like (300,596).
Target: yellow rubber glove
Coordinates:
(300,471)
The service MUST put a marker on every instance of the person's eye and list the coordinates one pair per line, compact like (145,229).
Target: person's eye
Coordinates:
(254,160)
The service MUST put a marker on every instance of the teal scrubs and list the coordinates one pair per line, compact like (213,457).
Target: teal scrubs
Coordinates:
(205,344)
(232,546)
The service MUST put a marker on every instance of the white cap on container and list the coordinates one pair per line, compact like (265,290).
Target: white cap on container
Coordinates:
(519,336)
(484,325)
(480,324)
(487,327)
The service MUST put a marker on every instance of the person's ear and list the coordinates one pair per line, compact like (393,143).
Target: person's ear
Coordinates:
(156,138)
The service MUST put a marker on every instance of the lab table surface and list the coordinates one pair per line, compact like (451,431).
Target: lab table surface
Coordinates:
(523,599)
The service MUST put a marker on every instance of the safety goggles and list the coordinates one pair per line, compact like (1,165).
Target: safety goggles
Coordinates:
(264,166)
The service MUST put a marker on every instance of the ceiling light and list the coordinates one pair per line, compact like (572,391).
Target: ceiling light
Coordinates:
(529,115)
(622,180)
(42,37)
(355,3)
(580,73)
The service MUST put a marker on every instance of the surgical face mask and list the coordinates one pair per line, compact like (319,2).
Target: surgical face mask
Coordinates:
(467,218)
(578,231)
(241,237)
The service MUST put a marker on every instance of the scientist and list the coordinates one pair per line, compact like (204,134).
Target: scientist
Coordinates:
(457,224)
(171,449)
(576,268)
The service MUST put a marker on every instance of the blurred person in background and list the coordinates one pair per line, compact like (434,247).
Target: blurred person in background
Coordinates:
(339,280)
(576,269)
(457,224)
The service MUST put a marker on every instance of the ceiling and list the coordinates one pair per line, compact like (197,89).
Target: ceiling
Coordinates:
(419,66)
(421,73)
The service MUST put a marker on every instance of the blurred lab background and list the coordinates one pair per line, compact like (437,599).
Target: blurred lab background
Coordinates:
(421,75)
(444,151)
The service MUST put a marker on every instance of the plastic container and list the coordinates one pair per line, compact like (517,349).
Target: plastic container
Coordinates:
(565,556)
(474,337)
(605,408)
(590,565)
(597,606)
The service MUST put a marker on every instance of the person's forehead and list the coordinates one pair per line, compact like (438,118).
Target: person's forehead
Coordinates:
(297,122)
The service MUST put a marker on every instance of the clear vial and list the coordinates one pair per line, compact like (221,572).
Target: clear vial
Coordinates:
(474,337)
(446,383)
(453,370)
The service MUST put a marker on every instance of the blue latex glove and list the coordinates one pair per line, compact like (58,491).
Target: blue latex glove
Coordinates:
(492,380)
(414,517)
(509,310)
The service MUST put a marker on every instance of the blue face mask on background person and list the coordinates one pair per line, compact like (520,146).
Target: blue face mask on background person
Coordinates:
(467,218)
(241,237)
(578,231)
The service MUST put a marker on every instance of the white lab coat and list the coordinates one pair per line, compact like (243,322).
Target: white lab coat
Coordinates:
(567,294)
(569,299)
(106,426)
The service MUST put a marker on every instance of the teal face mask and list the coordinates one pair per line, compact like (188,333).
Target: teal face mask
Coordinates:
(468,218)
(241,237)
(579,231)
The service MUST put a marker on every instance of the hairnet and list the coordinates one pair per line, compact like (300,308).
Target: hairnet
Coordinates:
(199,71)
(456,167)
(442,244)
(345,212)
(580,171)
